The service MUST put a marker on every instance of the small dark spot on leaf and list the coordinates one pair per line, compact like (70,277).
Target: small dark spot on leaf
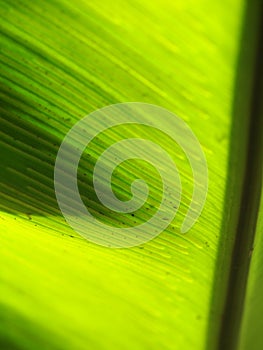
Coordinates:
(29,216)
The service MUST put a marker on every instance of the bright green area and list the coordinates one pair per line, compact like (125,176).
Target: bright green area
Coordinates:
(61,60)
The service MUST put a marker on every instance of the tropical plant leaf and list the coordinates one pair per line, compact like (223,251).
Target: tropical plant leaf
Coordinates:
(60,61)
(250,337)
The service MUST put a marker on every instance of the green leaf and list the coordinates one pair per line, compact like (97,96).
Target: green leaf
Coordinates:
(250,337)
(60,61)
